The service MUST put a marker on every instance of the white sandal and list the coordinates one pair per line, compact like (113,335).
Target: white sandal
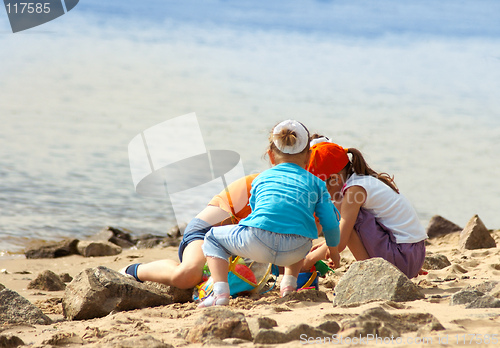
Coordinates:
(222,296)
(287,290)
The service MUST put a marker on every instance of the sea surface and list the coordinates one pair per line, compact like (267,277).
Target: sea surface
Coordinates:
(414,85)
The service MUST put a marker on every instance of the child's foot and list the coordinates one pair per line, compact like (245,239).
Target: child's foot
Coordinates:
(131,271)
(217,300)
(287,290)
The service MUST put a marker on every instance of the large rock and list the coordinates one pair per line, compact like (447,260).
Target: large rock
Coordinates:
(98,248)
(374,279)
(48,281)
(483,295)
(115,236)
(15,309)
(439,226)
(485,301)
(177,295)
(435,262)
(476,236)
(149,241)
(465,297)
(486,287)
(96,292)
(52,250)
(219,323)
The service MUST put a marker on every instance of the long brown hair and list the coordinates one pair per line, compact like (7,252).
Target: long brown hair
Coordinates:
(359,166)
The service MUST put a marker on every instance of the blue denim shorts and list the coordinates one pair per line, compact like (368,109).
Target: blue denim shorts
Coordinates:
(195,230)
(256,244)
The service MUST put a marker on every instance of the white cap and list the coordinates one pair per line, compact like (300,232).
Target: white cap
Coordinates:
(301,133)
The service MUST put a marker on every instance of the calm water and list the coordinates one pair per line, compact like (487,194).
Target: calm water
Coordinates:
(414,86)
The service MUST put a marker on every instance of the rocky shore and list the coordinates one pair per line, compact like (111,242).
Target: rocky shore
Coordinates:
(69,294)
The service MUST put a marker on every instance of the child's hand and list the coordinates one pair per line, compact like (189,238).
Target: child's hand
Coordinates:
(335,257)
(318,252)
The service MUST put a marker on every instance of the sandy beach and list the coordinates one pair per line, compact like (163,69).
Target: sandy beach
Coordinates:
(462,326)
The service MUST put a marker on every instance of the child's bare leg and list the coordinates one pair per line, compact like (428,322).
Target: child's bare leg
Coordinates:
(218,270)
(289,281)
(294,269)
(185,275)
(356,247)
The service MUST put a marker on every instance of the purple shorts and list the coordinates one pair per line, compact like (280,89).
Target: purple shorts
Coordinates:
(380,242)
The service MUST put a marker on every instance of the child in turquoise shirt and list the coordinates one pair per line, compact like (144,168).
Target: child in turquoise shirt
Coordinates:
(281,227)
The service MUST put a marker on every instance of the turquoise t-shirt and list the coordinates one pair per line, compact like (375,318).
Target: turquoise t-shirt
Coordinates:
(283,200)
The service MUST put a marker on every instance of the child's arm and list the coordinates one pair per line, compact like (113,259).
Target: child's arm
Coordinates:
(318,252)
(326,213)
(354,197)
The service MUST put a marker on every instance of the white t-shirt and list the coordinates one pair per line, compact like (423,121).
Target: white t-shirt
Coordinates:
(391,209)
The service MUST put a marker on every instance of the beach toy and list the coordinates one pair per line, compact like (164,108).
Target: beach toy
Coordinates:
(308,280)
(205,289)
(242,278)
(245,272)
(322,268)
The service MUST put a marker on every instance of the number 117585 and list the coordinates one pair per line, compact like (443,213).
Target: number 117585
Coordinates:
(28,7)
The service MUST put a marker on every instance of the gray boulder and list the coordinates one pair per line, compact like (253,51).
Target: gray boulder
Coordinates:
(219,323)
(48,281)
(98,248)
(485,301)
(374,279)
(483,295)
(465,297)
(15,309)
(149,241)
(476,236)
(486,287)
(65,277)
(266,323)
(115,236)
(96,292)
(439,226)
(435,262)
(52,250)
